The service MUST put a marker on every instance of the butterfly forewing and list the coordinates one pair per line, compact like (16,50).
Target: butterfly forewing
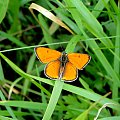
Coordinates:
(46,55)
(79,60)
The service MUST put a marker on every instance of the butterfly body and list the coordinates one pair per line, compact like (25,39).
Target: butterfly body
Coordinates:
(63,61)
(61,66)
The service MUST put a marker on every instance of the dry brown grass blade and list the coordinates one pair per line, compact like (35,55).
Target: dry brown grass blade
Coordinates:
(49,15)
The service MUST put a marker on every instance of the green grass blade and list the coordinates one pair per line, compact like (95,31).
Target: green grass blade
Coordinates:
(98,8)
(12,86)
(14,7)
(58,85)
(5,118)
(72,43)
(29,69)
(53,99)
(3,9)
(48,38)
(24,104)
(61,14)
(111,118)
(12,39)
(1,73)
(8,108)
(116,61)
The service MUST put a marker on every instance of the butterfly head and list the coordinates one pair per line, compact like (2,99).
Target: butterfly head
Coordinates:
(64,57)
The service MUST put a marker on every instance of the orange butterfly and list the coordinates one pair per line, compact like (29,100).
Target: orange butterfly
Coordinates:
(61,66)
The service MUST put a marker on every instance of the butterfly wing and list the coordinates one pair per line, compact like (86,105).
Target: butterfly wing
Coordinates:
(79,60)
(52,69)
(70,73)
(46,55)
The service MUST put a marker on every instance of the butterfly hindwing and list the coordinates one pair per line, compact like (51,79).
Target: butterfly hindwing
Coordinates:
(52,69)
(46,55)
(70,73)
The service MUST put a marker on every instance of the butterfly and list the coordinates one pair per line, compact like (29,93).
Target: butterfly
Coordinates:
(61,66)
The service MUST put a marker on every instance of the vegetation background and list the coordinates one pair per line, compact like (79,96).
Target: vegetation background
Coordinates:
(24,90)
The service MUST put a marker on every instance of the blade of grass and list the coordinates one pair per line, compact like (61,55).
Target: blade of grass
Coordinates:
(1,72)
(110,13)
(12,39)
(27,83)
(53,99)
(45,29)
(61,14)
(3,9)
(28,47)
(24,104)
(58,86)
(12,86)
(111,118)
(114,6)
(48,14)
(85,85)
(44,100)
(5,118)
(72,43)
(116,61)
(98,8)
(14,7)
(8,108)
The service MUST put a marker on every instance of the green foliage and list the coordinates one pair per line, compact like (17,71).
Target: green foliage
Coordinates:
(3,9)
(25,93)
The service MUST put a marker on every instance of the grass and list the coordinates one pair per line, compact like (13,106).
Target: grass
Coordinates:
(92,28)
